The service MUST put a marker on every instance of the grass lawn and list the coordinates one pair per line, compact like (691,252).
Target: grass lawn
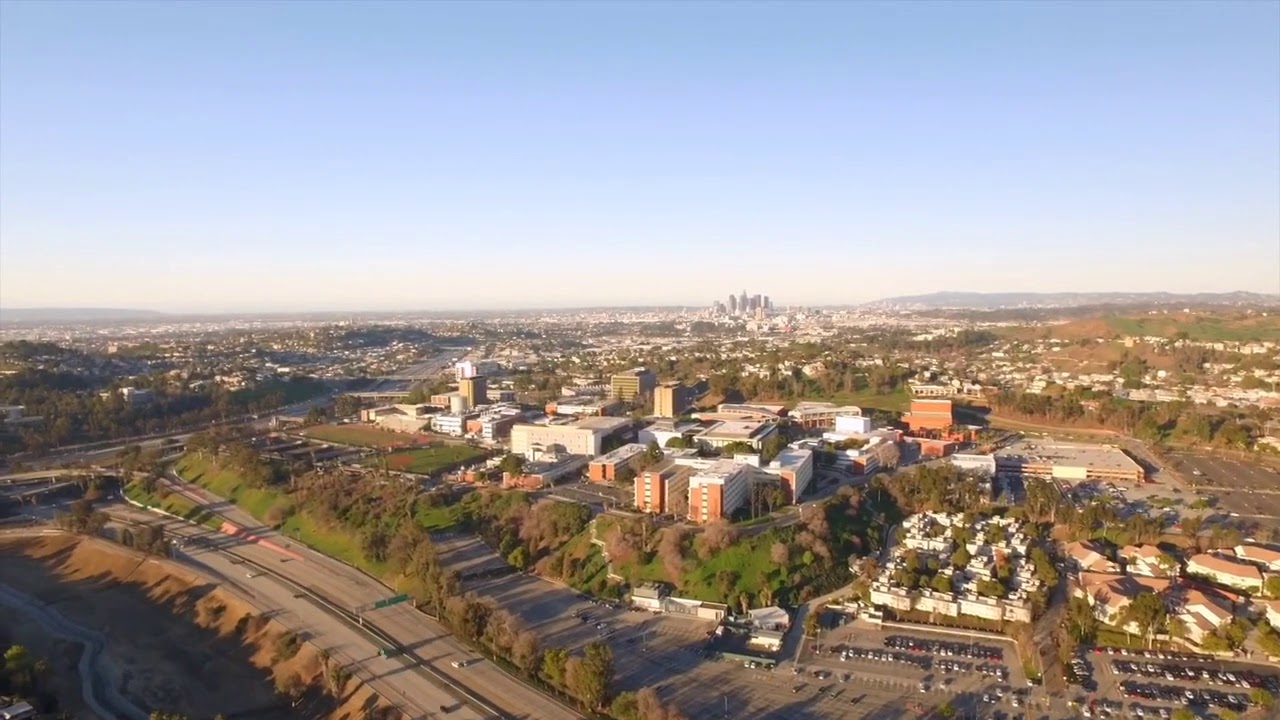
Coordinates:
(359,435)
(338,542)
(438,518)
(433,459)
(172,504)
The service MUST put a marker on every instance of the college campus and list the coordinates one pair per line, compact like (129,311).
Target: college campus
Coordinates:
(640,361)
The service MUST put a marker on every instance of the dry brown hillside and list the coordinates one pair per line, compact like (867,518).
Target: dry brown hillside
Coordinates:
(175,641)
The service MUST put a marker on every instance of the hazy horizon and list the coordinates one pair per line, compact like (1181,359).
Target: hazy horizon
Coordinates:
(384,157)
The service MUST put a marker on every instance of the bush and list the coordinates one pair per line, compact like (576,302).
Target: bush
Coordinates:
(286,646)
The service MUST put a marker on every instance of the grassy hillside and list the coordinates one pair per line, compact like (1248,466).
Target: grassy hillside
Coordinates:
(1241,327)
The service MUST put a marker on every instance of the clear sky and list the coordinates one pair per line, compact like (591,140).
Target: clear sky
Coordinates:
(277,156)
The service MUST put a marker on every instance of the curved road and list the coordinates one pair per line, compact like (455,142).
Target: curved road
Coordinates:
(102,697)
(491,689)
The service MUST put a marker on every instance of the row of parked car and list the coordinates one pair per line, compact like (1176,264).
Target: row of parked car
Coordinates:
(1216,676)
(945,648)
(1204,697)
(886,656)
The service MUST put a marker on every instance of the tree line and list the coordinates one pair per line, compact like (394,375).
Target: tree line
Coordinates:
(73,410)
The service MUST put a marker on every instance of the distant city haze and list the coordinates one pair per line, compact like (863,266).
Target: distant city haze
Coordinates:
(216,157)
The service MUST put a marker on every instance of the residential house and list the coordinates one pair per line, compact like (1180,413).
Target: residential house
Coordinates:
(1226,571)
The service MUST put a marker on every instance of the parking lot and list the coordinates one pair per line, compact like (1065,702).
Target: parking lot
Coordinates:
(1249,490)
(1154,684)
(667,652)
(469,556)
(973,674)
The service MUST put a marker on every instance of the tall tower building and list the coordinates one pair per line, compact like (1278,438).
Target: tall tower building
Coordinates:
(767,305)
(475,389)
(742,301)
(733,305)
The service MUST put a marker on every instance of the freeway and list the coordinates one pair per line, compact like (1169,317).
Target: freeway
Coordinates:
(349,589)
(256,574)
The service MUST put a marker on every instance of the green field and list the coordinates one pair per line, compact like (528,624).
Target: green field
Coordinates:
(359,435)
(432,459)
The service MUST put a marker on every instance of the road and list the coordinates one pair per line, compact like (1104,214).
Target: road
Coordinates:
(231,562)
(421,636)
(100,696)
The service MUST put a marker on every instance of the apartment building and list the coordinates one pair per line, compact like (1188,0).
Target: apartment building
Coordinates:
(1225,571)
(634,383)
(664,489)
(1263,557)
(605,468)
(1147,561)
(672,400)
(717,491)
(1088,556)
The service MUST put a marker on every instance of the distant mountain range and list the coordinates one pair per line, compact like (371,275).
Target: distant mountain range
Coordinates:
(61,315)
(995,301)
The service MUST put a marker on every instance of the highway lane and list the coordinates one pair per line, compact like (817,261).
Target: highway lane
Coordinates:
(410,628)
(221,559)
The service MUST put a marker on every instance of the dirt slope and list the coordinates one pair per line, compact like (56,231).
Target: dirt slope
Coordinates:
(175,641)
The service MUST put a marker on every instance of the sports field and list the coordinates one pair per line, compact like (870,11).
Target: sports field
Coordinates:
(434,459)
(360,435)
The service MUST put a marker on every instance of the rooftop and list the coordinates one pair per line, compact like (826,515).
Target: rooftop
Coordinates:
(603,424)
(791,458)
(1106,457)
(719,471)
(626,452)
(736,430)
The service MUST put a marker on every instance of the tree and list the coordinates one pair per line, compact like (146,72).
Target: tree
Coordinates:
(590,677)
(1147,611)
(653,452)
(512,464)
(525,652)
(677,443)
(625,707)
(1183,714)
(941,583)
(624,475)
(1272,586)
(554,661)
(960,558)
(1262,697)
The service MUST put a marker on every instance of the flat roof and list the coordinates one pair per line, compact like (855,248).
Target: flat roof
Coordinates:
(1107,457)
(606,424)
(671,426)
(719,471)
(790,458)
(625,452)
(736,429)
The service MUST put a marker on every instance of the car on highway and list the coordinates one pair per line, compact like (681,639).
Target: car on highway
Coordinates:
(463,663)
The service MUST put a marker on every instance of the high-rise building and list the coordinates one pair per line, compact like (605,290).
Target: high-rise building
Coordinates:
(767,305)
(733,305)
(634,383)
(672,399)
(475,389)
(717,491)
(742,302)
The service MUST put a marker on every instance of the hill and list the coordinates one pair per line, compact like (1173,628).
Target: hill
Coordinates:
(992,301)
(1205,327)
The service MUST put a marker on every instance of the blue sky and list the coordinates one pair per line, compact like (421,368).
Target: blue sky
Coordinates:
(253,156)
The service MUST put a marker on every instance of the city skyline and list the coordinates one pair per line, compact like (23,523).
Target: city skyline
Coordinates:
(361,159)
